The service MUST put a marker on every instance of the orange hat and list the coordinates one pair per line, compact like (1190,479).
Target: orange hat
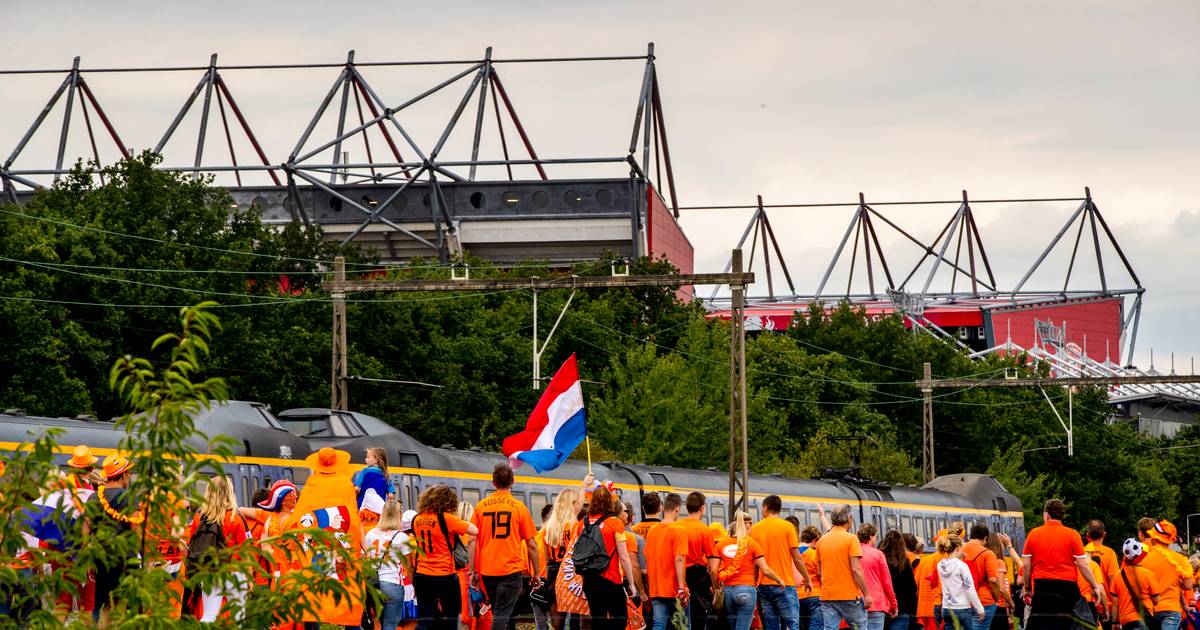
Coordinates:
(115,466)
(718,530)
(82,458)
(328,460)
(1164,532)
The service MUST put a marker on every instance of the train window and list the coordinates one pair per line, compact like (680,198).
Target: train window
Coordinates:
(520,497)
(906,525)
(537,501)
(470,495)
(718,513)
(659,479)
(892,523)
(930,527)
(299,475)
(272,421)
(353,428)
(814,519)
(266,481)
(941,524)
(408,459)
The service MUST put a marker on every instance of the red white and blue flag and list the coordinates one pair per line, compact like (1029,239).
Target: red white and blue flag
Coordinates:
(335,518)
(555,428)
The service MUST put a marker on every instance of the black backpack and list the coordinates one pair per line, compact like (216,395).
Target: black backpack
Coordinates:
(590,556)
(209,537)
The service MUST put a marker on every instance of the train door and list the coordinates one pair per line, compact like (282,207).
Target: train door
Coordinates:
(409,490)
(249,479)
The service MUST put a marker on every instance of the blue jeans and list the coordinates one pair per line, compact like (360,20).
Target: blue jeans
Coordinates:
(393,605)
(1168,620)
(876,620)
(811,617)
(779,607)
(899,622)
(739,606)
(989,612)
(852,610)
(959,618)
(662,608)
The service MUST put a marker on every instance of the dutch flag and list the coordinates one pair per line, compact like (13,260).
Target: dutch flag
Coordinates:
(556,426)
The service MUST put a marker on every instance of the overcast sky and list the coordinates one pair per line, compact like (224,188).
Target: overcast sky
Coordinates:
(798,101)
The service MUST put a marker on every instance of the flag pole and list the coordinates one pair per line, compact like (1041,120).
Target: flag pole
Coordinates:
(588,442)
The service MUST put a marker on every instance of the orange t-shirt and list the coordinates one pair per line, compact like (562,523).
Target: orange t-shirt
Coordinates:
(777,538)
(929,592)
(504,525)
(643,528)
(1108,559)
(1085,589)
(1168,575)
(727,550)
(663,544)
(435,557)
(1141,579)
(1053,548)
(834,552)
(810,563)
(986,565)
(613,531)
(699,541)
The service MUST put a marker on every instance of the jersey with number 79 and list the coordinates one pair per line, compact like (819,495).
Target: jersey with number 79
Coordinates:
(504,525)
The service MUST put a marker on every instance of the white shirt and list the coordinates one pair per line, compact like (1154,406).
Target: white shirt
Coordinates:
(958,587)
(395,544)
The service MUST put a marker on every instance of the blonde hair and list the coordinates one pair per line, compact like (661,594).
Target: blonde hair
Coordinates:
(466,511)
(959,528)
(947,544)
(218,499)
(380,457)
(563,515)
(739,528)
(392,515)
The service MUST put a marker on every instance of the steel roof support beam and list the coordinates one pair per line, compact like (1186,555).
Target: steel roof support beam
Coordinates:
(73,78)
(487,81)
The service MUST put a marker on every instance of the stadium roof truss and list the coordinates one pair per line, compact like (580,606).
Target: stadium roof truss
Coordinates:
(957,251)
(395,158)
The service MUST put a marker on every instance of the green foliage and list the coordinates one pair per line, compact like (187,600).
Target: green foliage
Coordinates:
(457,366)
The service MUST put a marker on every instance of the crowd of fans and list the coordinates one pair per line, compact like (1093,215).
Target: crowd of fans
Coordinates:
(448,564)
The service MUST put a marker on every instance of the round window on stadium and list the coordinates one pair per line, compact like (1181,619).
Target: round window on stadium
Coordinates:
(541,199)
(572,198)
(510,199)
(604,197)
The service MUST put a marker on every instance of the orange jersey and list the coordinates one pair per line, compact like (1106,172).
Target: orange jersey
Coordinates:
(663,545)
(613,532)
(1108,559)
(1053,548)
(834,552)
(1142,581)
(778,539)
(986,565)
(557,553)
(699,540)
(810,563)
(929,592)
(436,557)
(504,525)
(644,527)
(1169,573)
(727,549)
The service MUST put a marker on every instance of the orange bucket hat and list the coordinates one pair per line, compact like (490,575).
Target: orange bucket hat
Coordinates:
(115,465)
(82,458)
(328,460)
(1164,532)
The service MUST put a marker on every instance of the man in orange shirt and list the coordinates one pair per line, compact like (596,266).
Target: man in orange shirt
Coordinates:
(651,514)
(701,561)
(666,557)
(985,569)
(504,548)
(844,594)
(1134,589)
(1095,547)
(781,548)
(1054,555)
(1172,571)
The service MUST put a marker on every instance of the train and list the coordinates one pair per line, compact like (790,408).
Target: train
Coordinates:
(270,446)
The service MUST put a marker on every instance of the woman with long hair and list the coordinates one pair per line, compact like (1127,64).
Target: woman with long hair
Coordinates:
(605,597)
(390,546)
(895,551)
(556,536)
(741,557)
(216,525)
(437,529)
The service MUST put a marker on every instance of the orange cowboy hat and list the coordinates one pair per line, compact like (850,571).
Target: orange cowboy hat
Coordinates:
(328,460)
(82,458)
(115,466)
(1164,532)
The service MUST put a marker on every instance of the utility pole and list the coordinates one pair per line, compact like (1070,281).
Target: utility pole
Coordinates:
(927,463)
(738,457)
(339,400)
(737,281)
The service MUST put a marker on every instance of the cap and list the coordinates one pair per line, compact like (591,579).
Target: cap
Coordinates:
(1133,550)
(1164,532)
(279,490)
(82,458)
(406,519)
(115,466)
